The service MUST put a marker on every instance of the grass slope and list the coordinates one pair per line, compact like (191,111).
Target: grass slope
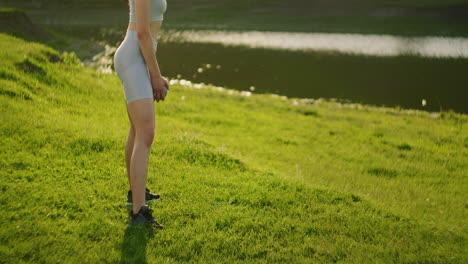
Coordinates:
(243,178)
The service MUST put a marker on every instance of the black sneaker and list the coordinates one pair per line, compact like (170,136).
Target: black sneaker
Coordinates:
(149,197)
(143,217)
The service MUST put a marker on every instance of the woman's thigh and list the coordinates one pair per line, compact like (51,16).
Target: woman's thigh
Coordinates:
(136,82)
(141,113)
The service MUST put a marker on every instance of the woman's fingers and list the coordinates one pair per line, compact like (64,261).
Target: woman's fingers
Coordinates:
(158,94)
(161,93)
(154,94)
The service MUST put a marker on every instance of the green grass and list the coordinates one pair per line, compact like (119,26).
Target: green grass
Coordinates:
(243,179)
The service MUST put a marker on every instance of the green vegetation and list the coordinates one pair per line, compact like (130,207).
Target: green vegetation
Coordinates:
(243,179)
(417,17)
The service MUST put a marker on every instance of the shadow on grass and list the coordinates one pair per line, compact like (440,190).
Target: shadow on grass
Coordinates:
(134,244)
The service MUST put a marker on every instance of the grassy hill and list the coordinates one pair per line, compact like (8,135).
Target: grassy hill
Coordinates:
(243,179)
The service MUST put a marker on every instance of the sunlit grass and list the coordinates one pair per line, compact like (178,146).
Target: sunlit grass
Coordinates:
(256,178)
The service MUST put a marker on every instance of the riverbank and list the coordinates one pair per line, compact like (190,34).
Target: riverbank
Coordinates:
(243,177)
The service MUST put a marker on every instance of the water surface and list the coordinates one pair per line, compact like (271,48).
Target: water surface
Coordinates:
(376,45)
(416,82)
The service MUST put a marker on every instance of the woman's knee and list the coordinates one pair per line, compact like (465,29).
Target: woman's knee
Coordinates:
(145,135)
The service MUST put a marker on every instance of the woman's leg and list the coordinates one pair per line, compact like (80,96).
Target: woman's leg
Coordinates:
(129,149)
(141,113)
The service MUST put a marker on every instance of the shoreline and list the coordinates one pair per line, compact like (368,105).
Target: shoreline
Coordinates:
(333,103)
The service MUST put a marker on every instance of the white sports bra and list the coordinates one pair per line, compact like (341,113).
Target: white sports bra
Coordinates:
(158,7)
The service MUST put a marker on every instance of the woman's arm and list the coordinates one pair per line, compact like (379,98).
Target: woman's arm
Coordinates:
(142,10)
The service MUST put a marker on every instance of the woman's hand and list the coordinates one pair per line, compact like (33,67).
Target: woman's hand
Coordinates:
(158,82)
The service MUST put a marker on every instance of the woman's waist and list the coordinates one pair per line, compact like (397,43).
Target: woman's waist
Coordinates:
(155,27)
(131,38)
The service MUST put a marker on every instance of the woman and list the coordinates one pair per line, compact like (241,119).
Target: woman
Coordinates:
(137,67)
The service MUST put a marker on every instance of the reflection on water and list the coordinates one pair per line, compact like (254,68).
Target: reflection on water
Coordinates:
(402,80)
(379,45)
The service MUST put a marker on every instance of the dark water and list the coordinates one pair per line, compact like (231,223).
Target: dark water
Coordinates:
(403,81)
